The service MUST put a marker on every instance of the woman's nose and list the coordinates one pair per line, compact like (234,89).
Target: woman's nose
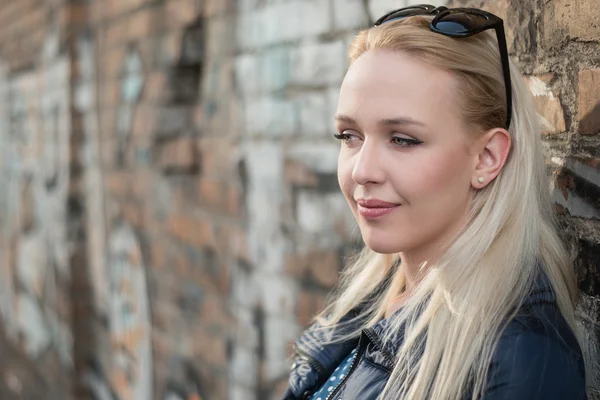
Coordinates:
(368,167)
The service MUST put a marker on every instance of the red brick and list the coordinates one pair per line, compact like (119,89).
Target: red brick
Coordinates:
(180,13)
(116,33)
(110,93)
(97,12)
(170,48)
(178,262)
(145,23)
(217,157)
(179,154)
(212,193)
(77,14)
(218,7)
(118,183)
(308,305)
(322,266)
(141,185)
(547,104)
(215,313)
(235,239)
(112,64)
(156,87)
(158,256)
(234,201)
(191,230)
(133,214)
(211,348)
(125,6)
(589,101)
(298,173)
(144,121)
(577,20)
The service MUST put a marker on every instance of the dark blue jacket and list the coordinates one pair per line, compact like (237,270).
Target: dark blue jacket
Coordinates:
(537,357)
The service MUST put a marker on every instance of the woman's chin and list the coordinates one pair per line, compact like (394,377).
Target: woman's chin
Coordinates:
(383,246)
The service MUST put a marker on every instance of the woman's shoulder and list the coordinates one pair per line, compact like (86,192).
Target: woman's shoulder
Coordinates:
(537,356)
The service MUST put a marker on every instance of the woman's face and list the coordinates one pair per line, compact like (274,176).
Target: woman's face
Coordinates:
(404,164)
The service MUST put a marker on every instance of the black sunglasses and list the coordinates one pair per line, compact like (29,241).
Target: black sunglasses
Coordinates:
(461,23)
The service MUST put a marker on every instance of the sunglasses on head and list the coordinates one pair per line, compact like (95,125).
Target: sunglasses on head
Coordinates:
(461,23)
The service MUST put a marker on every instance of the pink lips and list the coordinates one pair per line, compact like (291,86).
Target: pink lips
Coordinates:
(374,208)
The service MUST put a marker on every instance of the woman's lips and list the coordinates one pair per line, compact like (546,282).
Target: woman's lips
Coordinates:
(373,208)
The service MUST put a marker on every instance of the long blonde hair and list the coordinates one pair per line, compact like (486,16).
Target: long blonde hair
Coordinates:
(455,317)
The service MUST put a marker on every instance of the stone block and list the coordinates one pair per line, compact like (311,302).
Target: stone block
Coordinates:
(316,213)
(247,73)
(577,186)
(377,8)
(270,116)
(319,64)
(220,37)
(280,333)
(278,294)
(315,119)
(32,264)
(244,368)
(319,157)
(549,109)
(589,101)
(32,326)
(294,20)
(250,29)
(349,14)
(275,68)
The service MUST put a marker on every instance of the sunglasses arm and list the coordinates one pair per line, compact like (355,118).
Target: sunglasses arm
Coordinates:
(506,71)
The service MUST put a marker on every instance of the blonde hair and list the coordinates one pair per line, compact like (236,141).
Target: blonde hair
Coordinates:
(457,313)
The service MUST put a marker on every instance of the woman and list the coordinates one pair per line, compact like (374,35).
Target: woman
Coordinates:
(463,290)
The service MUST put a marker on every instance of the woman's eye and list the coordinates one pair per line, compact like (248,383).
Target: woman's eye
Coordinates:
(405,142)
(346,137)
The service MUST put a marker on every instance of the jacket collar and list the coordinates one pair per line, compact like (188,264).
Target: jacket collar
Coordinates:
(541,293)
(322,358)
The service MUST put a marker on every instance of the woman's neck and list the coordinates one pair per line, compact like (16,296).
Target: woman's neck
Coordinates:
(414,268)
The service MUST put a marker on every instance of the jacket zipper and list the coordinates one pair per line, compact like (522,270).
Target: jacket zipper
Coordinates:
(378,343)
(359,353)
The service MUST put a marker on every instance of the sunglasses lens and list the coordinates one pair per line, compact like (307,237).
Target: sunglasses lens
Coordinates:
(460,23)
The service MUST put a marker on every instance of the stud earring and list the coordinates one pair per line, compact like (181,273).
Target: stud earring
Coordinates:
(481,179)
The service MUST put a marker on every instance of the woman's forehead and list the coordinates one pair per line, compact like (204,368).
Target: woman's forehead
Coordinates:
(383,84)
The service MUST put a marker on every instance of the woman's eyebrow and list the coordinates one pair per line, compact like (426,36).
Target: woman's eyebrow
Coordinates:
(345,118)
(385,121)
(400,121)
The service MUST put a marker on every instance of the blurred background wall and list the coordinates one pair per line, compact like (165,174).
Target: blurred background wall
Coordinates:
(169,210)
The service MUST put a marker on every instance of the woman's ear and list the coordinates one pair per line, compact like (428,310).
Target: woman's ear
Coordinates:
(493,151)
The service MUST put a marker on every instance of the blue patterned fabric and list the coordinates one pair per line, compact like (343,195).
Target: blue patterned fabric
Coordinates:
(336,377)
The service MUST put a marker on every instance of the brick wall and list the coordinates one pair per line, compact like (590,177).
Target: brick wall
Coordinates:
(171,219)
